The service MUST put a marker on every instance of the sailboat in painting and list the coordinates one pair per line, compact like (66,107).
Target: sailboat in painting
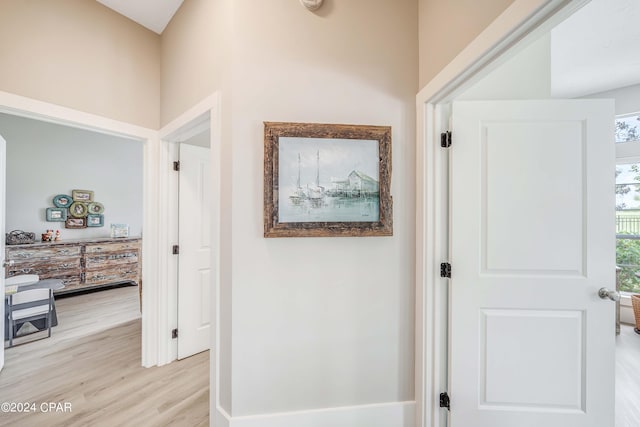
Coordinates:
(299,195)
(313,194)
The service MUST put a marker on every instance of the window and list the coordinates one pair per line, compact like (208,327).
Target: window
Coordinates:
(628,225)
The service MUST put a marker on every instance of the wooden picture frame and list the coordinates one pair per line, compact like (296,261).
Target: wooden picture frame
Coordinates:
(84,196)
(324,180)
(75,223)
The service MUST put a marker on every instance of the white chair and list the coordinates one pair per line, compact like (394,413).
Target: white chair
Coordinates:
(25,306)
(23,279)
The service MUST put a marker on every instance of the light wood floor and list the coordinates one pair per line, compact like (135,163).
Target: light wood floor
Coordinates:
(627,378)
(98,372)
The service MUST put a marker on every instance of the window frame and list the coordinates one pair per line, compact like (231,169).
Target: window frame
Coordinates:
(626,153)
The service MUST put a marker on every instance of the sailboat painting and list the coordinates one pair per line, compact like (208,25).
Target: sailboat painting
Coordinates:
(328,180)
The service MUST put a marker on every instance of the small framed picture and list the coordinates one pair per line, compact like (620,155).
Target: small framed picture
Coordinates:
(75,223)
(119,230)
(78,210)
(82,195)
(95,208)
(56,214)
(95,220)
(62,201)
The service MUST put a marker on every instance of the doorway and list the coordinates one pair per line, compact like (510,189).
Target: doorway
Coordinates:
(152,337)
(193,210)
(46,162)
(460,78)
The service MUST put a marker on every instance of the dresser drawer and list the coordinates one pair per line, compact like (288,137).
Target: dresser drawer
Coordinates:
(62,265)
(123,273)
(95,262)
(111,247)
(42,252)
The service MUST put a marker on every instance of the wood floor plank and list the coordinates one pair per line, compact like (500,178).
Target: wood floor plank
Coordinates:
(627,378)
(99,373)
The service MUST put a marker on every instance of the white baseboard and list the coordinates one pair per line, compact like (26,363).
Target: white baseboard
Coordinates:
(393,414)
(219,419)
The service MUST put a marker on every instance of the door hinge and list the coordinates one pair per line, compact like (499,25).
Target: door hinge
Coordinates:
(445,139)
(174,333)
(445,270)
(445,402)
(176,166)
(176,249)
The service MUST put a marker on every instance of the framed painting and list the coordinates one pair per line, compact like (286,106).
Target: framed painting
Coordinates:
(327,180)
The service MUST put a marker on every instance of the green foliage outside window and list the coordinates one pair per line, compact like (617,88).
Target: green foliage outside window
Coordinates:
(628,259)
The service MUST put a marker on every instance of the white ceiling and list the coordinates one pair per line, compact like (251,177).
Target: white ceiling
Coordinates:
(153,14)
(597,49)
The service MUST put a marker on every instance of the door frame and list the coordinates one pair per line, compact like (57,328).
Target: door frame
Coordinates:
(39,110)
(205,114)
(156,242)
(522,22)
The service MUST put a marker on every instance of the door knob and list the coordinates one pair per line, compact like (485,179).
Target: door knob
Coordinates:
(9,263)
(605,293)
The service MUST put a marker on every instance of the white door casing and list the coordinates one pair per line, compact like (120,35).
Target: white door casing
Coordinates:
(532,241)
(3,175)
(194,262)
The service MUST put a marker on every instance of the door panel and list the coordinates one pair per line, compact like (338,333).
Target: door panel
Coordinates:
(194,263)
(532,241)
(526,174)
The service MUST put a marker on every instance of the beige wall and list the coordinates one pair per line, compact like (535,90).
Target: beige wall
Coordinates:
(79,54)
(310,322)
(322,322)
(448,26)
(194,56)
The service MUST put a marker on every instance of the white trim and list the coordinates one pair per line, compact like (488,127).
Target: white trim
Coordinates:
(520,23)
(392,414)
(3,214)
(150,253)
(205,114)
(32,108)
(151,227)
(627,152)
(215,120)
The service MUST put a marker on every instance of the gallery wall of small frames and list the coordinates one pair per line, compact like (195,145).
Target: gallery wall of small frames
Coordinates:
(76,211)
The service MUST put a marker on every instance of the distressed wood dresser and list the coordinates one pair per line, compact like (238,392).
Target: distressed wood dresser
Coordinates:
(80,264)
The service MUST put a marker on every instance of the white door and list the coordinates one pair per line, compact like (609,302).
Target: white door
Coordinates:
(532,242)
(194,262)
(3,172)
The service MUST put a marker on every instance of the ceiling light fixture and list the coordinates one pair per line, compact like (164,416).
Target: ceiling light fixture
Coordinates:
(311,4)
